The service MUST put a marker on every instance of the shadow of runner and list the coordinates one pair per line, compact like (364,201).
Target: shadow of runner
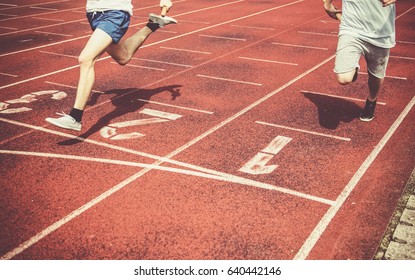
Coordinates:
(332,111)
(125,102)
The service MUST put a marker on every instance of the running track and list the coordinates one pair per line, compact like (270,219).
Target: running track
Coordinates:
(227,137)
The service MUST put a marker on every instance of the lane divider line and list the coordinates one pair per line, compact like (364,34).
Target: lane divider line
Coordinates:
(253,27)
(266,60)
(318,33)
(141,66)
(339,97)
(52,33)
(222,37)
(390,77)
(175,106)
(305,131)
(229,80)
(185,50)
(300,46)
(163,62)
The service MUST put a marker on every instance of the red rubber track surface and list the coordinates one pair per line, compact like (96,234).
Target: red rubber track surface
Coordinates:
(226,137)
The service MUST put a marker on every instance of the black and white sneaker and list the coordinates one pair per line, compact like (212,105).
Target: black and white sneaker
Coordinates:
(368,112)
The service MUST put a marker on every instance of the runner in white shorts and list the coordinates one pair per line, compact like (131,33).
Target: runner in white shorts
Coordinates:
(367,28)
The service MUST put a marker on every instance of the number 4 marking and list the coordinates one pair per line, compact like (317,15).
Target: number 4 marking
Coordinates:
(257,165)
(110,131)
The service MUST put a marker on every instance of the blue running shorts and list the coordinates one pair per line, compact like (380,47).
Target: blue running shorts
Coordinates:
(114,22)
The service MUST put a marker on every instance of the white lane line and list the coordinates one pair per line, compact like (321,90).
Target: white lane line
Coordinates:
(317,33)
(299,46)
(192,21)
(340,97)
(270,61)
(59,54)
(332,211)
(390,77)
(39,77)
(26,40)
(175,106)
(72,87)
(185,50)
(305,131)
(329,21)
(8,5)
(8,28)
(9,75)
(403,57)
(8,15)
(405,42)
(405,12)
(43,8)
(222,37)
(160,114)
(229,80)
(49,19)
(140,66)
(252,27)
(163,62)
(209,8)
(165,31)
(52,33)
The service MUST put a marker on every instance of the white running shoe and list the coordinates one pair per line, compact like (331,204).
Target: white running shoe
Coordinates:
(161,20)
(65,121)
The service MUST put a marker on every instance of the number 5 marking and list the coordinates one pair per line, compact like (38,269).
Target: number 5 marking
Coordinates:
(257,165)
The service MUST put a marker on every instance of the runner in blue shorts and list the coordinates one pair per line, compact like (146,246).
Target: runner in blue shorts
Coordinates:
(367,28)
(109,20)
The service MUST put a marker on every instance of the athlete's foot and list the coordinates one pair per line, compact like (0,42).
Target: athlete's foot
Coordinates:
(162,20)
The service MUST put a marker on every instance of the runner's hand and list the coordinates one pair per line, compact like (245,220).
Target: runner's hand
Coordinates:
(166,3)
(387,2)
(333,11)
(165,6)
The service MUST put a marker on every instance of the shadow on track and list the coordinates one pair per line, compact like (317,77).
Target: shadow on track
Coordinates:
(126,101)
(332,111)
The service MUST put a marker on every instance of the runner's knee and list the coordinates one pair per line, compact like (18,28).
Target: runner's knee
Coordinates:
(85,61)
(344,79)
(122,61)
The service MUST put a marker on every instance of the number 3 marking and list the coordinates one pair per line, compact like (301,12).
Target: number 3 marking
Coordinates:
(257,165)
(29,98)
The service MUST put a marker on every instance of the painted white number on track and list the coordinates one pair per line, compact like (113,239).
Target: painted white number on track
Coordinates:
(110,131)
(257,165)
(29,98)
